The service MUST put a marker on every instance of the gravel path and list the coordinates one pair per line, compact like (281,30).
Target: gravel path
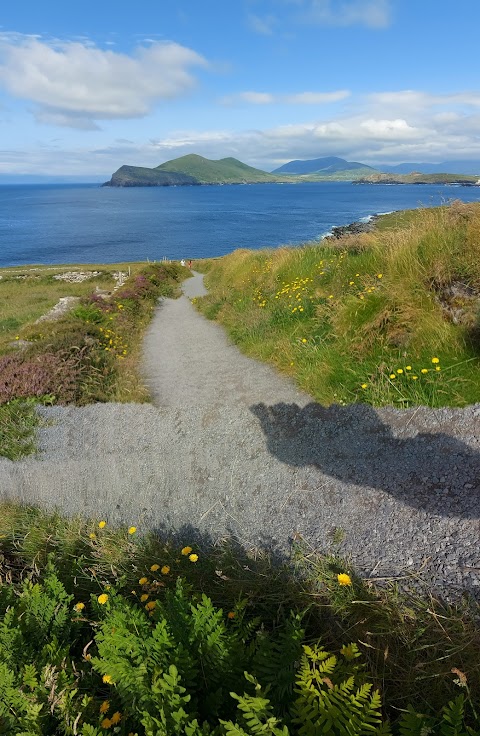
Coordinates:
(232,448)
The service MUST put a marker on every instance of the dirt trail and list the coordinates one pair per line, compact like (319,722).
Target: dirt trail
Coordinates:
(231,447)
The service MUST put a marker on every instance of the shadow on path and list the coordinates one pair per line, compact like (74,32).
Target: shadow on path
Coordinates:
(431,471)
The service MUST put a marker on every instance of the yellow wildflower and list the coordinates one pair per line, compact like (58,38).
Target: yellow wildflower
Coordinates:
(304,339)
(143,581)
(392,375)
(105,706)
(154,568)
(379,275)
(399,370)
(106,723)
(435,360)
(79,606)
(165,570)
(92,536)
(424,370)
(116,718)
(193,558)
(186,550)
(144,598)
(364,385)
(231,614)
(408,367)
(107,679)
(101,524)
(344,579)
(437,368)
(151,605)
(102,598)
(132,529)
(414,378)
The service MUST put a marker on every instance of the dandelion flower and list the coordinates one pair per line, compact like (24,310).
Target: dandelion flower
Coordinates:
(231,614)
(151,605)
(106,723)
(399,370)
(414,378)
(437,368)
(424,370)
(79,606)
(379,275)
(116,718)
(364,385)
(154,568)
(193,558)
(393,375)
(107,679)
(344,579)
(101,524)
(165,570)
(132,529)
(92,536)
(304,339)
(186,550)
(105,706)
(408,367)
(102,598)
(435,360)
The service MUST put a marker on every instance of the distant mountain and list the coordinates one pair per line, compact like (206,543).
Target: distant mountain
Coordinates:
(417,178)
(325,166)
(470,168)
(190,170)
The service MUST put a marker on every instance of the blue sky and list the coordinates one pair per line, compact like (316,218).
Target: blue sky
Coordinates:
(86,87)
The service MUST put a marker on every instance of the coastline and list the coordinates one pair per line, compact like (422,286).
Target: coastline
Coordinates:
(364,225)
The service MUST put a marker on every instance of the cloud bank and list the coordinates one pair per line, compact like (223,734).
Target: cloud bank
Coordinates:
(77,84)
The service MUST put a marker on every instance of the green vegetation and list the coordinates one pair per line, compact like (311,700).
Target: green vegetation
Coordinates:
(88,353)
(386,317)
(105,631)
(18,421)
(192,169)
(224,171)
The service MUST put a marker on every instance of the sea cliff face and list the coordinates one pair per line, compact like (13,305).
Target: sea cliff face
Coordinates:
(137,176)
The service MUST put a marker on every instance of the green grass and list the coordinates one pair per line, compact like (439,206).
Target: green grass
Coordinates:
(364,318)
(414,645)
(18,422)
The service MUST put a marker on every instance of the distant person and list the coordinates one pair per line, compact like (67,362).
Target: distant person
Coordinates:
(190,263)
(182,262)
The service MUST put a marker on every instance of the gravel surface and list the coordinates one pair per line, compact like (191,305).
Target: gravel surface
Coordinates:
(232,448)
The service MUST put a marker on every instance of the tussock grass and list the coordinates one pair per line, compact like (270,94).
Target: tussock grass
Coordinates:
(414,644)
(362,318)
(18,421)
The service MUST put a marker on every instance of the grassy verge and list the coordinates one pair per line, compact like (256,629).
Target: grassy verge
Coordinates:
(99,621)
(387,317)
(90,353)
(18,421)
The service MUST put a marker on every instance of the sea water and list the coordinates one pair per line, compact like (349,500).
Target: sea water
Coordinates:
(48,224)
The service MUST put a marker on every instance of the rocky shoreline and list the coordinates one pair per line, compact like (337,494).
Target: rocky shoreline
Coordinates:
(353,228)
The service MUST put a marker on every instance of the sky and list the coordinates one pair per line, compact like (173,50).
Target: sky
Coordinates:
(86,87)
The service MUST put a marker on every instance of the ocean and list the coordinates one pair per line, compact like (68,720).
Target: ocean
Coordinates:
(49,224)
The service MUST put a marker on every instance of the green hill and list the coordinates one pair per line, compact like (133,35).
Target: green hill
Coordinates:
(224,171)
(139,176)
(191,169)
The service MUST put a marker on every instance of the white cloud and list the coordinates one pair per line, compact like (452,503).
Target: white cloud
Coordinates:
(316,98)
(264,26)
(370,13)
(299,98)
(76,84)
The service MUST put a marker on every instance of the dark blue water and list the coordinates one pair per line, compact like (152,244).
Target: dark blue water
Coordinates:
(45,224)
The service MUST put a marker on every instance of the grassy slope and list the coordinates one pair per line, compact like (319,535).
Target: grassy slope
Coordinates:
(133,175)
(226,170)
(344,318)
